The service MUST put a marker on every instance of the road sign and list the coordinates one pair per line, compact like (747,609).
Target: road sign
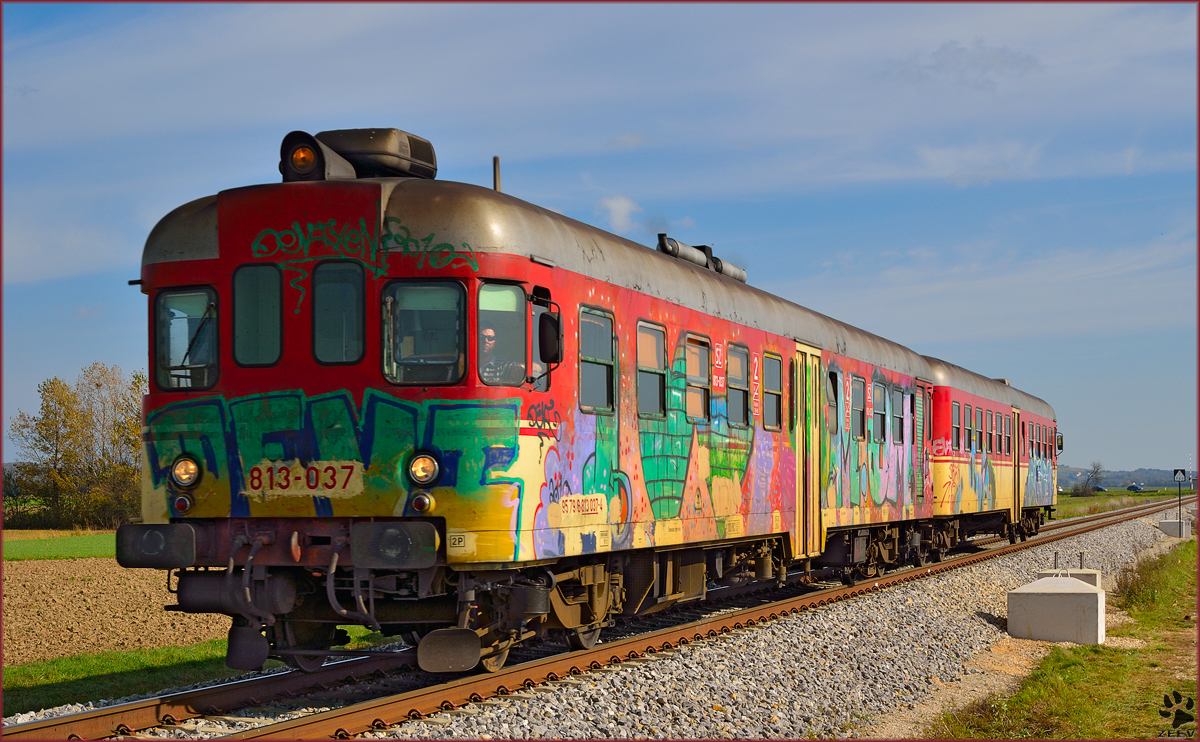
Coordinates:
(1180,475)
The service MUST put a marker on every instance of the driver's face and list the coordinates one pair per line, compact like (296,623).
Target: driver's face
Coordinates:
(487,339)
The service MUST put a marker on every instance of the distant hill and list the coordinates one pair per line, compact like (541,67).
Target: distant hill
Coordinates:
(1069,475)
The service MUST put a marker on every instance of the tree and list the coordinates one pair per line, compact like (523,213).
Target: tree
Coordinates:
(1095,476)
(82,451)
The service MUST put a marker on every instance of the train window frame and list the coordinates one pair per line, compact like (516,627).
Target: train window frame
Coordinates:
(362,311)
(979,430)
(521,303)
(703,390)
(991,427)
(858,414)
(879,412)
(609,365)
(742,388)
(956,425)
(659,373)
(1008,435)
(772,396)
(540,303)
(387,326)
(898,415)
(968,428)
(238,312)
(161,381)
(833,422)
(791,394)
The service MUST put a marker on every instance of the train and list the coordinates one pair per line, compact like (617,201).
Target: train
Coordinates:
(457,418)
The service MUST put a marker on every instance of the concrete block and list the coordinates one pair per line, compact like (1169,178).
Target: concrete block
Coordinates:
(1090,576)
(1176,528)
(1057,609)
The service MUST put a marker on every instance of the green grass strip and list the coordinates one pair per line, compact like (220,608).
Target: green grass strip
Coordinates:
(1099,691)
(102,545)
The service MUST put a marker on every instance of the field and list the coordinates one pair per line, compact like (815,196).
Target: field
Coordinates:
(96,545)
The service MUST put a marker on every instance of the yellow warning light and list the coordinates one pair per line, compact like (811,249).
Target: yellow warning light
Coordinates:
(303,158)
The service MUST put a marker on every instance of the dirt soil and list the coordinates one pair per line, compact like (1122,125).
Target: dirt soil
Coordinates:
(61,607)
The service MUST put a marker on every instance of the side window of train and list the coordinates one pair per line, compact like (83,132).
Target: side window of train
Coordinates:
(185,331)
(858,408)
(832,388)
(791,394)
(652,370)
(772,392)
(969,430)
(991,426)
(698,354)
(539,304)
(424,332)
(337,312)
(595,361)
(257,314)
(737,379)
(979,430)
(503,339)
(955,426)
(897,416)
(879,412)
(1008,435)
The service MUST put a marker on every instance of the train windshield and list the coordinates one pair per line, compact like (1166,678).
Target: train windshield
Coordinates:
(424,333)
(186,339)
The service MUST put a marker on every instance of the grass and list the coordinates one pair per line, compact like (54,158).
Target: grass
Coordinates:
(38,685)
(1070,507)
(74,547)
(1100,691)
(29,534)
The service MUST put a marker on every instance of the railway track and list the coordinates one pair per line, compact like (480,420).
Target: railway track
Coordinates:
(403,696)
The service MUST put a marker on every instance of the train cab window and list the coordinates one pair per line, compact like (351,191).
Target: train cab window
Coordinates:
(186,339)
(503,340)
(539,304)
(1008,435)
(652,370)
(257,315)
(897,416)
(337,312)
(978,430)
(969,432)
(991,427)
(832,419)
(424,333)
(737,379)
(697,354)
(858,408)
(772,392)
(955,426)
(879,412)
(595,361)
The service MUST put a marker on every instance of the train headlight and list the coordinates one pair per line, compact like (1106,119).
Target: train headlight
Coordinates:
(303,158)
(185,472)
(423,469)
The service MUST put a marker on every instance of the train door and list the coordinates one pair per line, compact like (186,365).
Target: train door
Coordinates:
(1018,452)
(806,404)
(920,438)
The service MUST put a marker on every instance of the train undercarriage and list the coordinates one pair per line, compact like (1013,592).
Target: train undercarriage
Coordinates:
(288,584)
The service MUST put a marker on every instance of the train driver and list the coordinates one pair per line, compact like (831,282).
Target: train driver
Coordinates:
(492,369)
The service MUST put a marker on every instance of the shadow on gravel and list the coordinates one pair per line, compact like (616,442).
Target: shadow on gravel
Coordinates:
(994,620)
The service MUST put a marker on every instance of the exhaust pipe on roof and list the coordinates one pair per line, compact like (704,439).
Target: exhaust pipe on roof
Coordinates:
(701,256)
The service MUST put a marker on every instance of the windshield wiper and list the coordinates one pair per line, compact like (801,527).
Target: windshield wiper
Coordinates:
(204,318)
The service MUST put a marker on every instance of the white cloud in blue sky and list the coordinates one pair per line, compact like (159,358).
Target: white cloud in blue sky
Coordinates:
(968,179)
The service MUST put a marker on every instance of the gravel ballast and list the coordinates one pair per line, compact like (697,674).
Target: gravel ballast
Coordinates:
(820,673)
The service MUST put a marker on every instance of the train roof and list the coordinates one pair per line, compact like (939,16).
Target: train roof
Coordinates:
(497,222)
(948,374)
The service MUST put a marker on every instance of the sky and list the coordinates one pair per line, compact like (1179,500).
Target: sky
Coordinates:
(1009,187)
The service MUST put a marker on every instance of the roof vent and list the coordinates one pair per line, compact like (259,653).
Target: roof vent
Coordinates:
(382,153)
(700,255)
(1003,381)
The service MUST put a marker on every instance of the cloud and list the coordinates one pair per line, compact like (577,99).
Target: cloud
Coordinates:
(976,67)
(979,163)
(627,141)
(620,209)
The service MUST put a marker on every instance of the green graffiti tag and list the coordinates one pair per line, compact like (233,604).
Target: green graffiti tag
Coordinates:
(398,238)
(298,245)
